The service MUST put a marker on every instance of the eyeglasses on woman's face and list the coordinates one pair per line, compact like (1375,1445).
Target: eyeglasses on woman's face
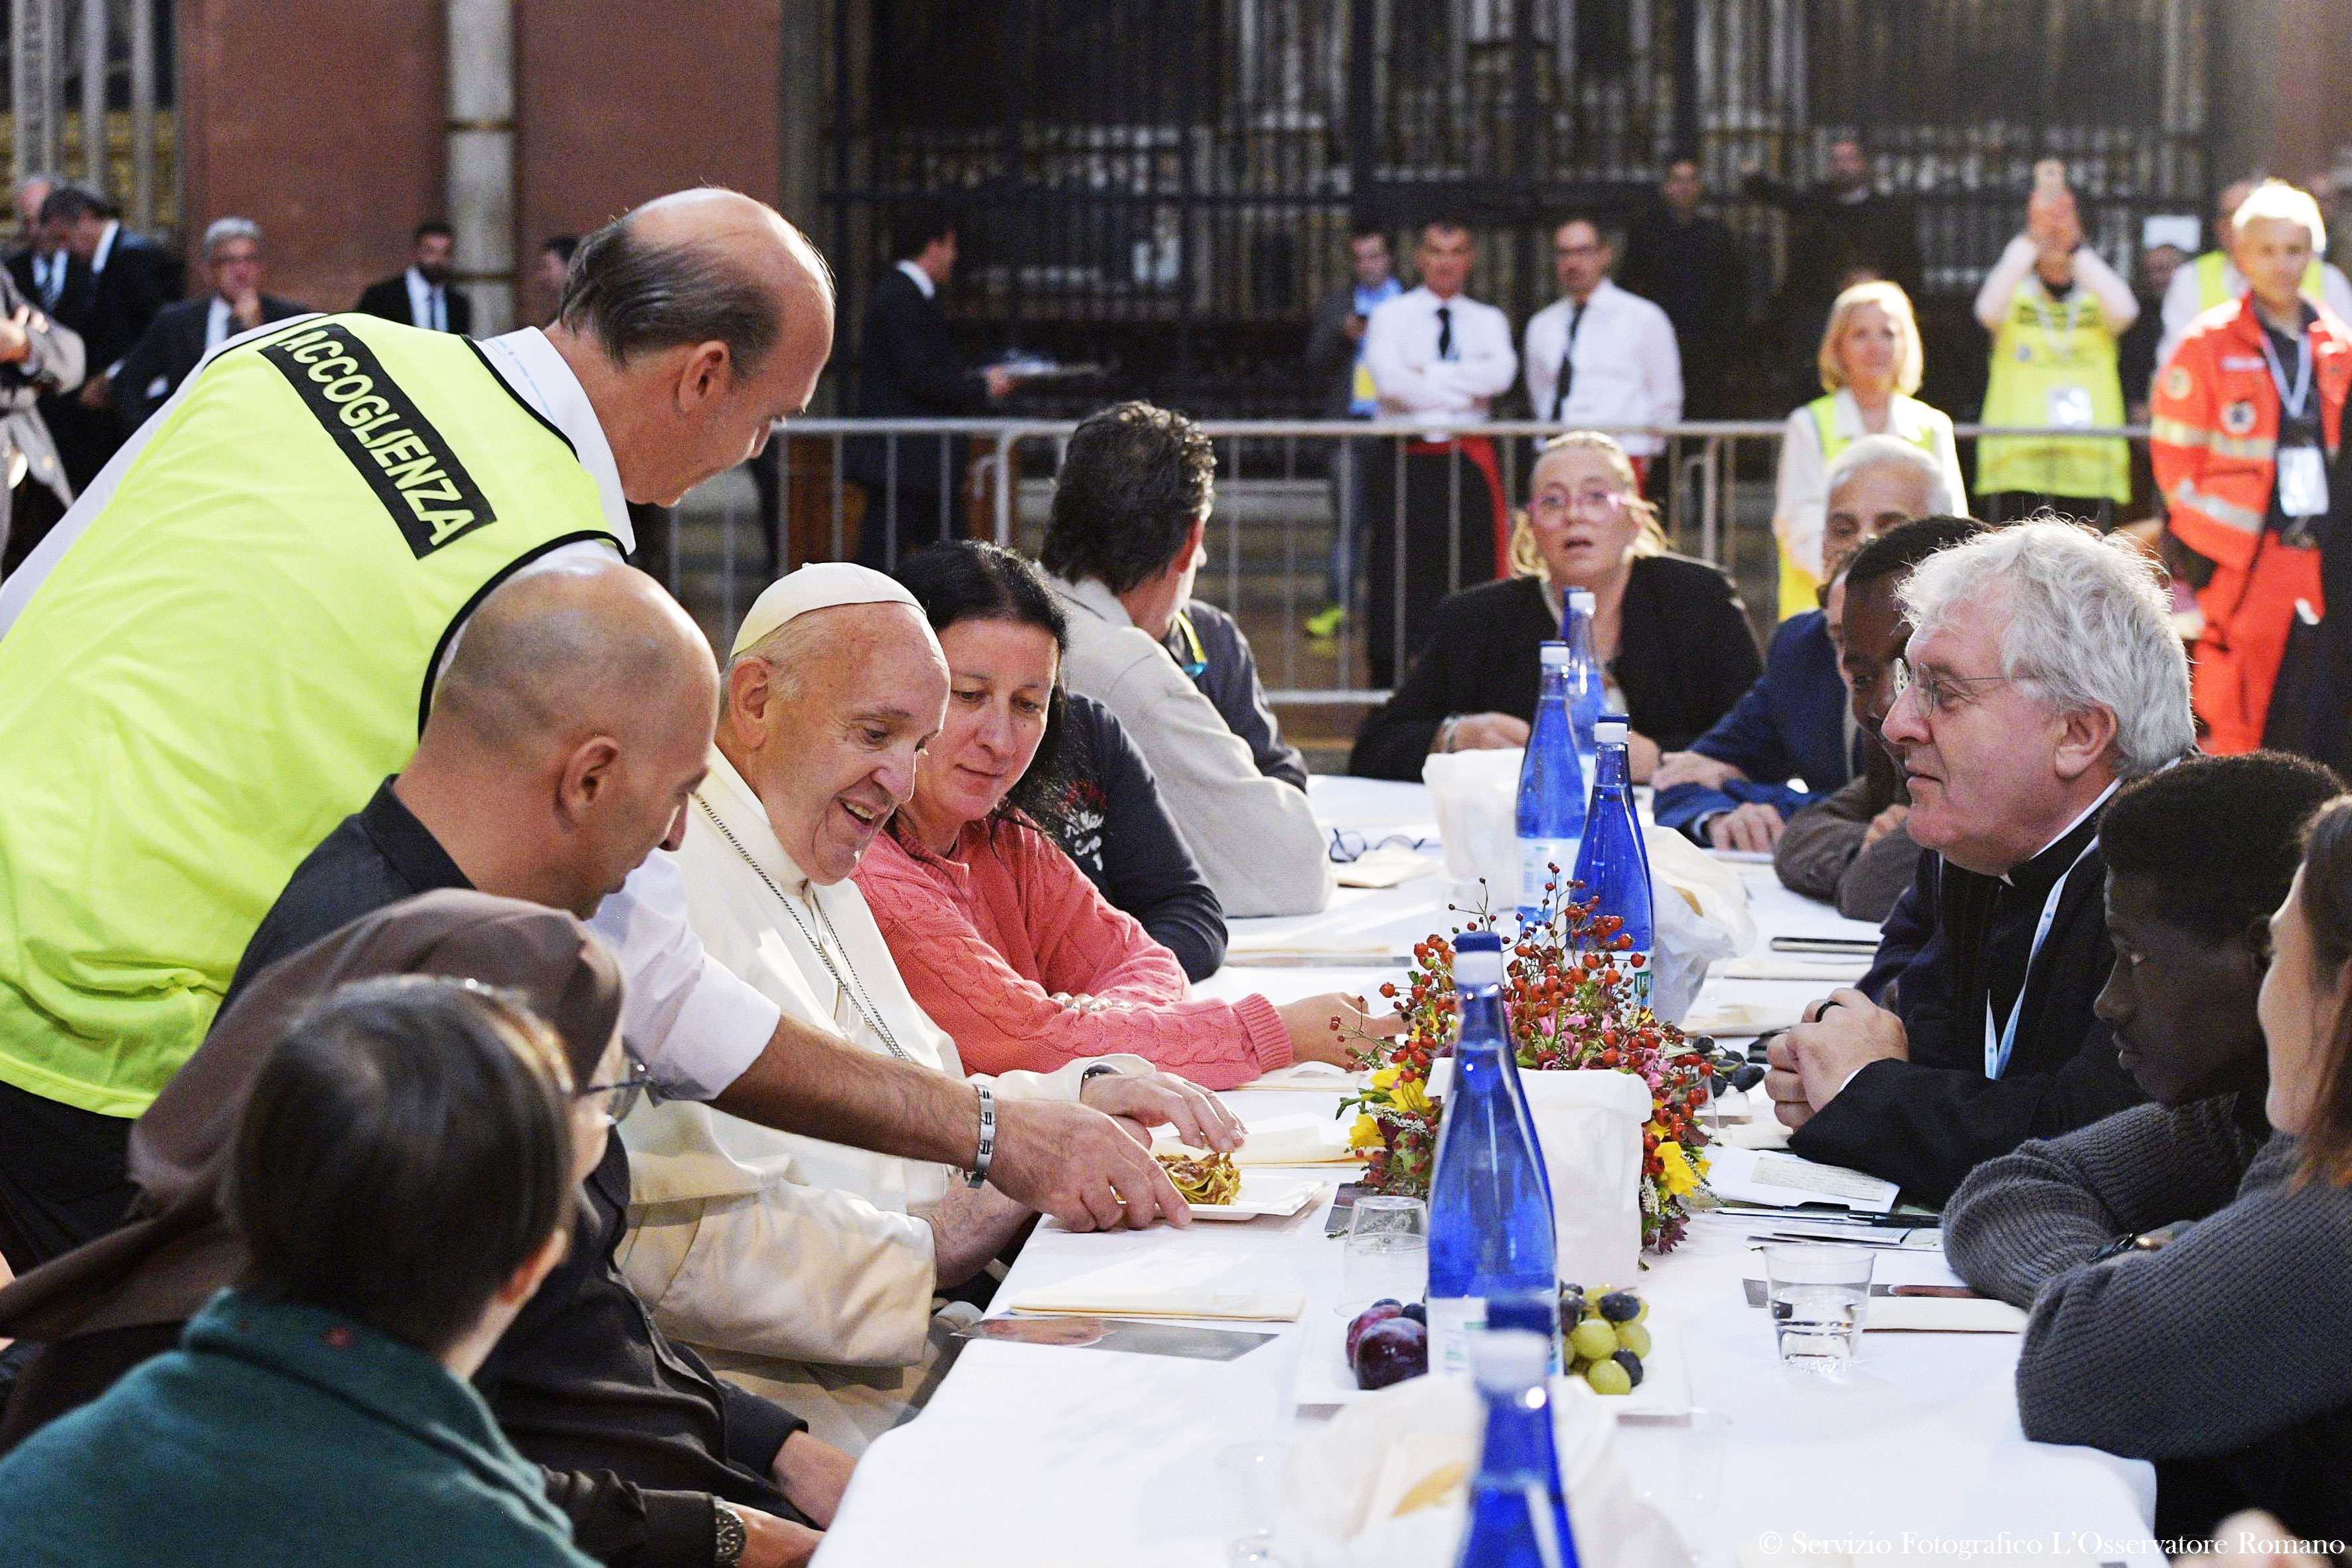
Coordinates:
(1554,506)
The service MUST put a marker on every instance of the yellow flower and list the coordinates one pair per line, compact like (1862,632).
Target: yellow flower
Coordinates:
(1679,1176)
(1364,1134)
(1410,1096)
(1386,1075)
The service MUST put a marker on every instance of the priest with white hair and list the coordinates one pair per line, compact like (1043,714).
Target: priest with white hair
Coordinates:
(811,1271)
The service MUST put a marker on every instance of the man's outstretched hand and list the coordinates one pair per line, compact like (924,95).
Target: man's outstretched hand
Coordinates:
(1080,1166)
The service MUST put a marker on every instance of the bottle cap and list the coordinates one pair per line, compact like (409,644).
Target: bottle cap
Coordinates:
(1509,1360)
(1555,653)
(1478,959)
(1583,599)
(1609,730)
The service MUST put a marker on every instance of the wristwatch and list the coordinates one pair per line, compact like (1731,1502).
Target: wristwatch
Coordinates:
(1100,1070)
(727,1549)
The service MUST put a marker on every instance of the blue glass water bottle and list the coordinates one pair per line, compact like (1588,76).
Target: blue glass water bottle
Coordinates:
(1552,787)
(1490,1231)
(1518,1511)
(1588,683)
(1613,866)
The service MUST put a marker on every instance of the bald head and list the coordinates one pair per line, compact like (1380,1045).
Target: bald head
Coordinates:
(572,649)
(573,719)
(694,322)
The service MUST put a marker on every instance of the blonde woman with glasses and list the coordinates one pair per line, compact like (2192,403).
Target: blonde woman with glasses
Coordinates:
(1871,363)
(1669,631)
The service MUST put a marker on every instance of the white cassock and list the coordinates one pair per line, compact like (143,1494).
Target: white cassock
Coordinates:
(799,1268)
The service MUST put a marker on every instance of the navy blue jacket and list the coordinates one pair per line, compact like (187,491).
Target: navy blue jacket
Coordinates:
(1791,724)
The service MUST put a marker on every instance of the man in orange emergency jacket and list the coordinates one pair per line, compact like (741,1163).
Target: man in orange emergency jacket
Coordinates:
(2246,416)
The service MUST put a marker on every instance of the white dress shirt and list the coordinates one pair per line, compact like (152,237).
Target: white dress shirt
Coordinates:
(698,1025)
(1629,370)
(1414,381)
(767,1249)
(920,279)
(2184,301)
(1800,504)
(428,303)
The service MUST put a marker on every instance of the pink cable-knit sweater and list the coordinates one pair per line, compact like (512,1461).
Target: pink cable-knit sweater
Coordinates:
(987,936)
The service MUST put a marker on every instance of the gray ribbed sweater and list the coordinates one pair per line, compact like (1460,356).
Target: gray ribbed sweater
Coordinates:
(2231,1334)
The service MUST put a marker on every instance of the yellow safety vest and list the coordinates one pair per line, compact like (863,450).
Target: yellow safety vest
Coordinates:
(1799,590)
(2213,287)
(2054,365)
(228,661)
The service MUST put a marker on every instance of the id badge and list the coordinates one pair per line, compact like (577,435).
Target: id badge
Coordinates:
(2302,481)
(2070,407)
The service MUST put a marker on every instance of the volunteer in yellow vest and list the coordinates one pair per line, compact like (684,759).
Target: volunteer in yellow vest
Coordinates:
(2213,278)
(2055,311)
(1870,363)
(230,640)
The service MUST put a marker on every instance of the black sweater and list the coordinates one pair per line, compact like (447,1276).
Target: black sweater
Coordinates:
(1685,656)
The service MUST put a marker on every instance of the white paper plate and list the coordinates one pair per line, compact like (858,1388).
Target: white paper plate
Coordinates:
(1326,1379)
(1279,1194)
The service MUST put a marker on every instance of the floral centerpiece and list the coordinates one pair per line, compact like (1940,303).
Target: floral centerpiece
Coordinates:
(1573,1002)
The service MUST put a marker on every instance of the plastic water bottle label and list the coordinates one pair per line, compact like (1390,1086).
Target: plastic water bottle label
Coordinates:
(1453,1321)
(1537,859)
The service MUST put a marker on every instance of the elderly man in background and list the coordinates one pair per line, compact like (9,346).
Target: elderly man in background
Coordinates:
(1849,849)
(805,1268)
(1130,512)
(2041,674)
(271,630)
(1731,790)
(40,359)
(180,336)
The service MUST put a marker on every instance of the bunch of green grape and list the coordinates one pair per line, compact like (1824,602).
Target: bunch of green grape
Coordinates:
(1602,1339)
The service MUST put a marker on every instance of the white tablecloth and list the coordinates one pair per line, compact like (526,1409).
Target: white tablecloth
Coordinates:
(1032,1456)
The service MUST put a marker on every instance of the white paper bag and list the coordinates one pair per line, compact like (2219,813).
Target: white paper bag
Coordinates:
(1588,1125)
(1385,1484)
(1476,796)
(1700,910)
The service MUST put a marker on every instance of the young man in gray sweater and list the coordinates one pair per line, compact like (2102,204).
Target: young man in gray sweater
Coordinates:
(2198,856)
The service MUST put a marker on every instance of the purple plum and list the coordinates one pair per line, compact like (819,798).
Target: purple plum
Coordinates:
(1378,1313)
(1390,1352)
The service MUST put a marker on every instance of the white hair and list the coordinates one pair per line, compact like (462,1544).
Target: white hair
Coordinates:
(2286,203)
(1871,451)
(224,229)
(2088,628)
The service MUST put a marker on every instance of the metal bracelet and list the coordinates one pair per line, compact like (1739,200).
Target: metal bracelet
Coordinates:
(986,1154)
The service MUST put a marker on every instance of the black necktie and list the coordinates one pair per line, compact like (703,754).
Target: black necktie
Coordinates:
(1446,332)
(1567,362)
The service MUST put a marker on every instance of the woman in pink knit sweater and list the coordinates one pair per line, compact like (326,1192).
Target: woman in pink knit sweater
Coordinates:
(999,936)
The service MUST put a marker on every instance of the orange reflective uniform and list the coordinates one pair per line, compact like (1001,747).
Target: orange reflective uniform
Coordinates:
(2213,438)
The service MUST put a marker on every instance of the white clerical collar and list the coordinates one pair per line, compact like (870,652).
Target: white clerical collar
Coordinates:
(729,797)
(921,279)
(528,363)
(2084,817)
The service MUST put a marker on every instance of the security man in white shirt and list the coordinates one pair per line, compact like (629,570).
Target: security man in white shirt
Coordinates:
(1598,358)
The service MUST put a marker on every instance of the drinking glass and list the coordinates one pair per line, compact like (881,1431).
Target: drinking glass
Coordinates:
(1253,1473)
(1817,1295)
(1386,1253)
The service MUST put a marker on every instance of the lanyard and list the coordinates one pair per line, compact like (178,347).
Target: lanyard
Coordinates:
(2041,301)
(1997,1047)
(2291,405)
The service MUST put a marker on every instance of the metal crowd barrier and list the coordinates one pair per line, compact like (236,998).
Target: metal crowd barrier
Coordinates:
(1275,548)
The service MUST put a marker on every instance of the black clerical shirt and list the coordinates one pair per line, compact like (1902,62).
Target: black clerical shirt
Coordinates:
(1958,941)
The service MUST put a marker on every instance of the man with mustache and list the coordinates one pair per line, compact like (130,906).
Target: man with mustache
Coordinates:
(2042,673)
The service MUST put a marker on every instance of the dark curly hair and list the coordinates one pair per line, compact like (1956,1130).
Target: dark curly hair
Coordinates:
(1133,480)
(2220,836)
(966,581)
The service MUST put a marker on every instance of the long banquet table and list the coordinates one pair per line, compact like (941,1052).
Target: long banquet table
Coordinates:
(1037,1455)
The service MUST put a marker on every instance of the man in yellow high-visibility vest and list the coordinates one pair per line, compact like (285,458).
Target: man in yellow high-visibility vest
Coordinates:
(233,635)
(2213,278)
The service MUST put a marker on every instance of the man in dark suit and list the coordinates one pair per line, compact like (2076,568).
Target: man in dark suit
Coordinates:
(182,334)
(2042,673)
(1688,265)
(421,296)
(40,274)
(1842,232)
(910,368)
(116,283)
